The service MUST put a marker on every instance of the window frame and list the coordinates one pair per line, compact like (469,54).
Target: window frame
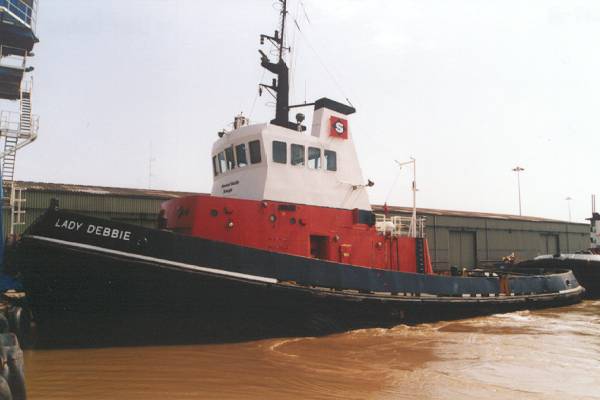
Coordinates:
(237,155)
(221,161)
(326,160)
(256,145)
(319,161)
(302,162)
(279,159)
(215,166)
(230,163)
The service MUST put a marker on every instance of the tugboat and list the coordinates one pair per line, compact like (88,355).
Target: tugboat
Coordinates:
(286,244)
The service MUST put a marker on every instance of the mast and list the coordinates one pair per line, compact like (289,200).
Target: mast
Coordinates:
(280,86)
(283,15)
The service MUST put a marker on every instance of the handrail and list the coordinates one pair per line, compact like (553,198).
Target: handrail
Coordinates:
(10,124)
(22,11)
(399,225)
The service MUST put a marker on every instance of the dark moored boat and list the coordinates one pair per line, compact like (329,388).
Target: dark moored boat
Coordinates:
(584,264)
(286,244)
(585,267)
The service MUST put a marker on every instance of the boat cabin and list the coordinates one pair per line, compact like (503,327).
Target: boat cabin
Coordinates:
(270,162)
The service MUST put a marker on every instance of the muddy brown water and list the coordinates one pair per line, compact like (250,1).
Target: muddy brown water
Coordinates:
(543,354)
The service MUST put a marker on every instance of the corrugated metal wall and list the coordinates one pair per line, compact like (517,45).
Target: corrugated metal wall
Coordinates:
(490,238)
(140,210)
(497,238)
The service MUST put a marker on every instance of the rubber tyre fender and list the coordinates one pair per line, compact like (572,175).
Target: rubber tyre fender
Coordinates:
(19,320)
(4,324)
(16,375)
(5,390)
(11,369)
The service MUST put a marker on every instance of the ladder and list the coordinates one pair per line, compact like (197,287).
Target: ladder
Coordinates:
(16,134)
(8,162)
(17,211)
(420,249)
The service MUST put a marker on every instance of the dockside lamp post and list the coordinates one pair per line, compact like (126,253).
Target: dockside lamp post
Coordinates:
(568,199)
(412,230)
(518,170)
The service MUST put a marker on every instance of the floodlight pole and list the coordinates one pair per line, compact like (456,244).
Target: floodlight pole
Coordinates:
(518,170)
(568,199)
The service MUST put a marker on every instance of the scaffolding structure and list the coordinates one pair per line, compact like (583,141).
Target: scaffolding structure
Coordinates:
(18,124)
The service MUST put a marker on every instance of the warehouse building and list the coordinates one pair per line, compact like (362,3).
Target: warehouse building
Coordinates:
(134,206)
(456,238)
(460,238)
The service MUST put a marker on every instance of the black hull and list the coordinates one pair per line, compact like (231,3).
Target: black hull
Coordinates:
(587,272)
(159,286)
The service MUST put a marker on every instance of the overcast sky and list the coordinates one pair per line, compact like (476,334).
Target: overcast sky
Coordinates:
(470,88)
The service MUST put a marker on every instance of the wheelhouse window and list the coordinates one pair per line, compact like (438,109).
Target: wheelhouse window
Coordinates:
(222,163)
(279,152)
(229,158)
(314,158)
(254,147)
(297,154)
(330,160)
(240,155)
(215,166)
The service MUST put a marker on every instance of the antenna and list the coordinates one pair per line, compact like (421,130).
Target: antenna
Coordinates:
(283,15)
(593,204)
(280,88)
(412,232)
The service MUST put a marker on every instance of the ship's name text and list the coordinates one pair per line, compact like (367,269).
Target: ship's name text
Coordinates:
(227,187)
(91,229)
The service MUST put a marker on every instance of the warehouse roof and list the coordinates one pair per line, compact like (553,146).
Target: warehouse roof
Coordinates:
(167,194)
(101,190)
(470,214)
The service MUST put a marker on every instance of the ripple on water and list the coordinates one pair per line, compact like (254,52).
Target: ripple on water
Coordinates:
(542,354)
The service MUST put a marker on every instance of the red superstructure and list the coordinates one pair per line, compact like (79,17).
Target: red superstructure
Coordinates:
(345,236)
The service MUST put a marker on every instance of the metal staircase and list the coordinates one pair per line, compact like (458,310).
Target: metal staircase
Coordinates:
(8,162)
(18,129)
(26,116)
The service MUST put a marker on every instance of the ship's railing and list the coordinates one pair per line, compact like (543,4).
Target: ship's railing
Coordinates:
(399,225)
(13,57)
(25,11)
(10,125)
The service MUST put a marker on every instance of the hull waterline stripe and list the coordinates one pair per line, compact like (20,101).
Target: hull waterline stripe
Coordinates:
(156,260)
